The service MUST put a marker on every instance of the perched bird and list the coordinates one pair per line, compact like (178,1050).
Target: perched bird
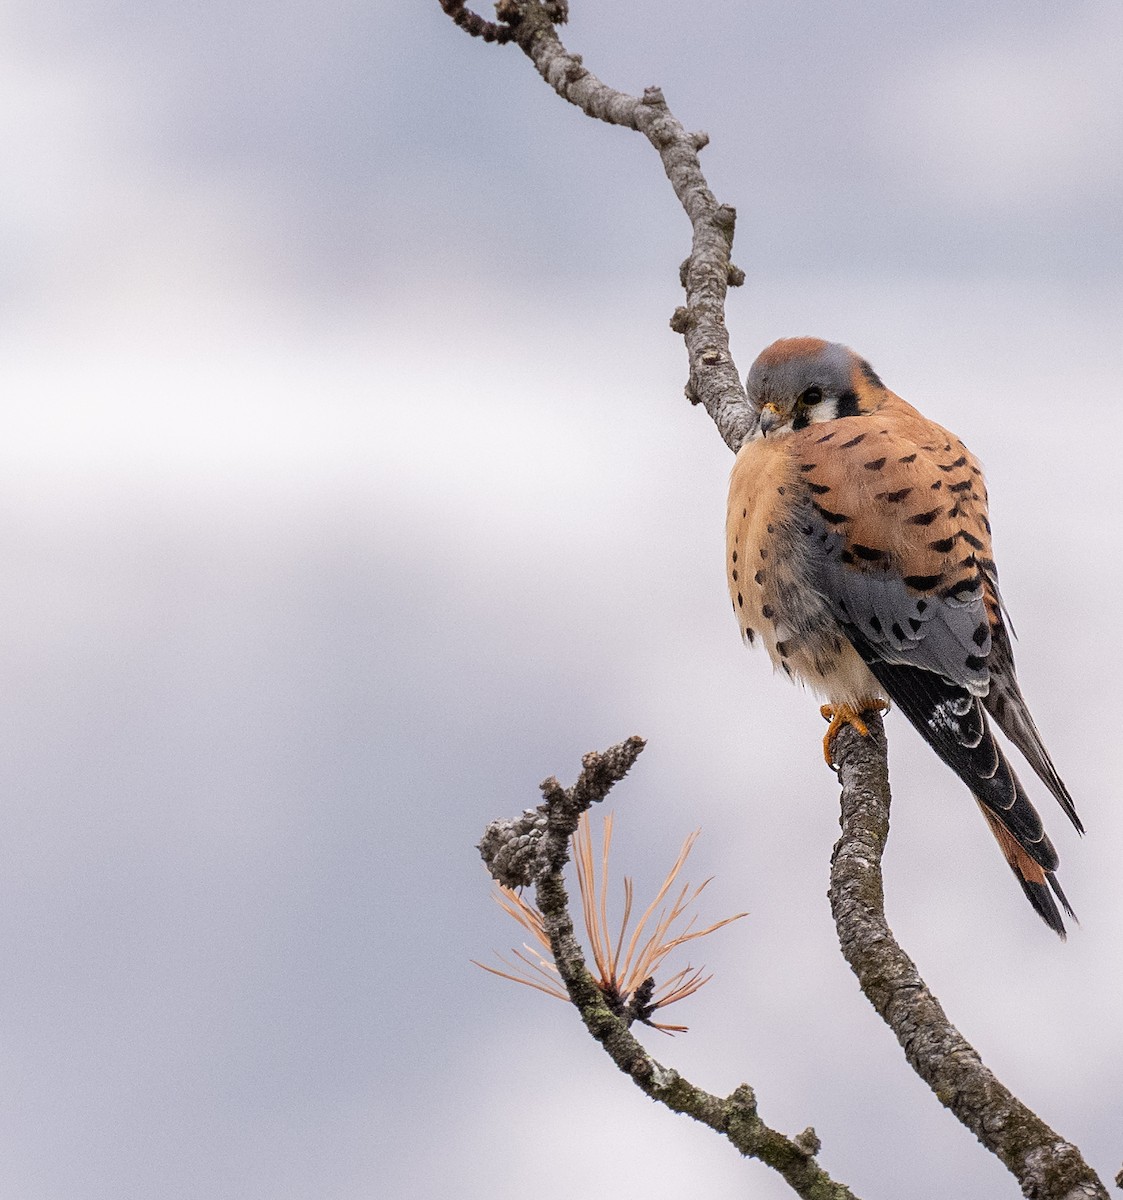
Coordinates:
(859,553)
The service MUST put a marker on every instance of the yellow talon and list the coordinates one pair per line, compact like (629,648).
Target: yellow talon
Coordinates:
(844,714)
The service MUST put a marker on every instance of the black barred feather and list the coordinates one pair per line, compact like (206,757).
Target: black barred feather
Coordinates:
(953,723)
(1062,898)
(1038,895)
(1035,890)
(1004,702)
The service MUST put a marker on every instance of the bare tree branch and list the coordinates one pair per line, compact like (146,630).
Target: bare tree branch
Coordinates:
(1046,1166)
(534,849)
(708,272)
(475,25)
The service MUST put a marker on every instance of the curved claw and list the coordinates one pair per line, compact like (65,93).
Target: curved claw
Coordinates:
(844,714)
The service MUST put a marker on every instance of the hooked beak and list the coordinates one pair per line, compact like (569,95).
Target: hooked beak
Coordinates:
(770,417)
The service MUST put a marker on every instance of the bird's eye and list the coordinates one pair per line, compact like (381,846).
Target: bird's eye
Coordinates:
(812,396)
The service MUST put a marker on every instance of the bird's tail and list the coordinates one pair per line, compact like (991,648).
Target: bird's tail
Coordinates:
(1039,884)
(954,724)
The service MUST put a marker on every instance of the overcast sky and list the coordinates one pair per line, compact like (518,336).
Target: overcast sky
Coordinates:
(347,490)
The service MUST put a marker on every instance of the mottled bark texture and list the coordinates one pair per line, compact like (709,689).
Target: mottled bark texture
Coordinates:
(534,847)
(533,850)
(707,272)
(471,22)
(1046,1166)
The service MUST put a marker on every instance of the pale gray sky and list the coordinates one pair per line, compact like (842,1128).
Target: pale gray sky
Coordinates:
(347,490)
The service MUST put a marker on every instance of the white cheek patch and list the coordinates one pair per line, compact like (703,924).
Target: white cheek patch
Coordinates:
(825,410)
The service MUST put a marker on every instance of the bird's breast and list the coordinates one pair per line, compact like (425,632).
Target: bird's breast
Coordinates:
(773,571)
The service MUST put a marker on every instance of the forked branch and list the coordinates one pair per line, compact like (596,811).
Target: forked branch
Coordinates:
(1046,1166)
(533,850)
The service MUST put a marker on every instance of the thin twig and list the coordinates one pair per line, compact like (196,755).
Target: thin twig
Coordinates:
(708,272)
(475,25)
(734,1116)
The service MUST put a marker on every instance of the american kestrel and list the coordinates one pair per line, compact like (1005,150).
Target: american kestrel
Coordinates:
(859,553)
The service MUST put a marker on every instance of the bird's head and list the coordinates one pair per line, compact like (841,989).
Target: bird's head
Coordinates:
(797,382)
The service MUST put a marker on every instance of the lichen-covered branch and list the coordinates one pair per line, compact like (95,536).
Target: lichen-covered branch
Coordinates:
(708,271)
(534,849)
(1046,1166)
(475,25)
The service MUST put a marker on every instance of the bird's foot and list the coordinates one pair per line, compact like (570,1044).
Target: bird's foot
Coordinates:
(844,714)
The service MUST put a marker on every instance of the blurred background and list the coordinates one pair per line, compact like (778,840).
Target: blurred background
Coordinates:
(347,490)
